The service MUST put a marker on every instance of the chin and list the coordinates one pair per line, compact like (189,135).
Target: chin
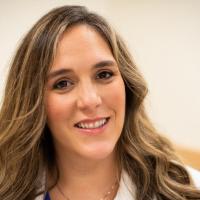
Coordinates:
(100,152)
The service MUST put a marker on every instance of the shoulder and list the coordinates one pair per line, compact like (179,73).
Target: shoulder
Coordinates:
(127,189)
(195,175)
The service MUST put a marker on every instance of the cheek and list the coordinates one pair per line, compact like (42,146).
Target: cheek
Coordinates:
(115,96)
(57,108)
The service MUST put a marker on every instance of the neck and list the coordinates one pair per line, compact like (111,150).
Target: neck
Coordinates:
(95,178)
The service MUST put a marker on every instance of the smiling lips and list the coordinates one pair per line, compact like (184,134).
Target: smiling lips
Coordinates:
(92,124)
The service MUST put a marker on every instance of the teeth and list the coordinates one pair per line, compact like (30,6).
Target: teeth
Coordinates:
(96,124)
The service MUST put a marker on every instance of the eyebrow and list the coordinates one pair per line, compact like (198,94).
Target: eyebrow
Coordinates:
(65,71)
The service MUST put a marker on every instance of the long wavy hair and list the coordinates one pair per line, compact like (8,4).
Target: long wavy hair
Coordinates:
(25,142)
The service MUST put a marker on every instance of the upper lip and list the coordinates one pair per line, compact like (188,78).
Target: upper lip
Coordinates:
(89,120)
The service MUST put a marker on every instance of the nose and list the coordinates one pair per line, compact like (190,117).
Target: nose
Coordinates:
(88,97)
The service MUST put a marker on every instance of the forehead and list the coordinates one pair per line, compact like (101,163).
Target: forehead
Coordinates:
(78,35)
(81,43)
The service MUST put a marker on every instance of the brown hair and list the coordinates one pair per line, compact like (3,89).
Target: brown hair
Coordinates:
(25,141)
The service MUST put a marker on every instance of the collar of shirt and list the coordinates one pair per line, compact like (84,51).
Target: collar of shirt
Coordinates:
(126,189)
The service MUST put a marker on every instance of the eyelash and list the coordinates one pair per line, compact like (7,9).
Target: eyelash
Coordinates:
(67,83)
(57,85)
(105,73)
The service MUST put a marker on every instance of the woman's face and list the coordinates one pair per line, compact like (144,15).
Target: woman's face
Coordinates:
(85,96)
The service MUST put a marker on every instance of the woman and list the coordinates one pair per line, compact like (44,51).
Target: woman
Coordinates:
(73,122)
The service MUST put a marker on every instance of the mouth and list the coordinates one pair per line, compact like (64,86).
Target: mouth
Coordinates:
(94,124)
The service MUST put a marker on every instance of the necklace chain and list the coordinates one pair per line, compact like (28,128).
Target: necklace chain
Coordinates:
(105,197)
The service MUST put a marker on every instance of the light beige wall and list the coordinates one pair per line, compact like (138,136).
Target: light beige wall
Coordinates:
(163,36)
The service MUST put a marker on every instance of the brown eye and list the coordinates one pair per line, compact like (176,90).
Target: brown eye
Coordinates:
(63,84)
(104,75)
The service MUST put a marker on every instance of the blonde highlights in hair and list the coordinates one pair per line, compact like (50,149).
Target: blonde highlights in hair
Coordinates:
(25,141)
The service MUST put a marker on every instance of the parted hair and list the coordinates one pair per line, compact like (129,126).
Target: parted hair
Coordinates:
(26,148)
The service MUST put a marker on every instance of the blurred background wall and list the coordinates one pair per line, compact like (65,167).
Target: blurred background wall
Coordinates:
(164,39)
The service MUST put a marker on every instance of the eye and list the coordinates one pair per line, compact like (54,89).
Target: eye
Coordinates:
(62,84)
(104,75)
